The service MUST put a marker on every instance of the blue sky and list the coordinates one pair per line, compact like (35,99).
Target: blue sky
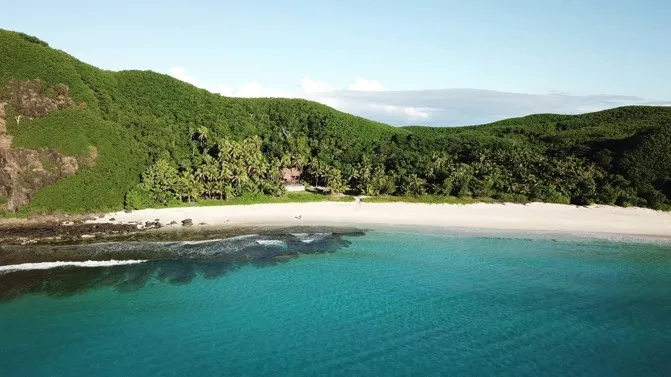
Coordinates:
(407,57)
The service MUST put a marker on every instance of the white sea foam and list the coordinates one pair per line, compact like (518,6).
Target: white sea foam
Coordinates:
(229,239)
(48,265)
(199,242)
(271,242)
(310,237)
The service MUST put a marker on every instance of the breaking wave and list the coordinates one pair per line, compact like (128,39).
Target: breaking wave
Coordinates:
(215,249)
(310,237)
(48,265)
(271,243)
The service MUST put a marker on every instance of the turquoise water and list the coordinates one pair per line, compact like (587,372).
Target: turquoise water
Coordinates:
(381,305)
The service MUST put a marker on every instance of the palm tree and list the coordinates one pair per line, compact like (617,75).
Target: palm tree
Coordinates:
(413,185)
(188,186)
(286,160)
(300,161)
(225,189)
(335,181)
(318,170)
(224,149)
(202,135)
(438,162)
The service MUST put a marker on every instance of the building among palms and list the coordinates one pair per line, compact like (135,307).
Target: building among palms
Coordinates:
(291,178)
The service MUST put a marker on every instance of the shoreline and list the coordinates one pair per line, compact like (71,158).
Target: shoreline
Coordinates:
(509,220)
(533,217)
(54,244)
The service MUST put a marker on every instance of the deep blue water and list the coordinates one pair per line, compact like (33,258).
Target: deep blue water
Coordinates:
(382,304)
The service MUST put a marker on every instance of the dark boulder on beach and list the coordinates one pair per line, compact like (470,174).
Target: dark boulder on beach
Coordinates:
(152,224)
(187,222)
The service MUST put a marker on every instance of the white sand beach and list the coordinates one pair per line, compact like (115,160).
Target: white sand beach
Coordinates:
(531,217)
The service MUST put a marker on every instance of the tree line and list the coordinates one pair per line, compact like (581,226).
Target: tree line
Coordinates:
(223,168)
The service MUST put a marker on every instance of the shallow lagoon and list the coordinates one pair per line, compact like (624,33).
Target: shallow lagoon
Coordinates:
(320,303)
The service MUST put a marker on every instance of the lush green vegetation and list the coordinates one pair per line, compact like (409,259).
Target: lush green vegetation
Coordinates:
(287,197)
(225,170)
(162,141)
(426,199)
(100,185)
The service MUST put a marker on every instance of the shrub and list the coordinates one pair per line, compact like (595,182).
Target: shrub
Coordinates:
(139,198)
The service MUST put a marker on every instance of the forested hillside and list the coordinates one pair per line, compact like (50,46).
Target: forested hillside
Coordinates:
(99,140)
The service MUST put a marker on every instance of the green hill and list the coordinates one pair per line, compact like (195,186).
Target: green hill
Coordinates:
(75,138)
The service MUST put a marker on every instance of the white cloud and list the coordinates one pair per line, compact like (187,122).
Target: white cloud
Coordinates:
(254,89)
(222,89)
(448,107)
(251,89)
(311,86)
(411,113)
(335,103)
(180,74)
(319,91)
(416,113)
(363,85)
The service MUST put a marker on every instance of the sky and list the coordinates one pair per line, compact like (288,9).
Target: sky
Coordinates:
(426,62)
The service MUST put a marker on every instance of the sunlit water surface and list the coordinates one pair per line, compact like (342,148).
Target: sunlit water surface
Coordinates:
(379,304)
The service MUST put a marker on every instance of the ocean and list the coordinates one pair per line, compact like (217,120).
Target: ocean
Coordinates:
(339,304)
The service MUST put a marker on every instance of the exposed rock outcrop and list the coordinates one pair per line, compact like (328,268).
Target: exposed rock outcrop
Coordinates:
(32,98)
(24,171)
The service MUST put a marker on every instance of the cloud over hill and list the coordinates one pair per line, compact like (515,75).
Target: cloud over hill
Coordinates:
(442,107)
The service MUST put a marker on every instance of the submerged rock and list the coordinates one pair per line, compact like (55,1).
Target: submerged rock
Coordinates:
(63,230)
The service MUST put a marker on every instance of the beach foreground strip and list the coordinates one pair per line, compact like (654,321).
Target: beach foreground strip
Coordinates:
(533,216)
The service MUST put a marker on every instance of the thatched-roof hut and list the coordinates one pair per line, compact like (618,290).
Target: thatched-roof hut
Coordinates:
(291,176)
